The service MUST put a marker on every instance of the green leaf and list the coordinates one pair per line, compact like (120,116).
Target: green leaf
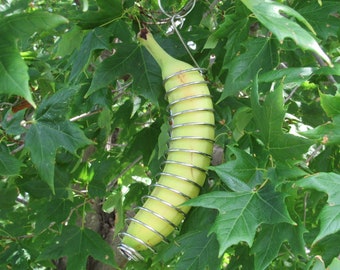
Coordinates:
(334,265)
(200,251)
(8,195)
(321,17)
(107,12)
(269,118)
(24,25)
(51,131)
(111,202)
(328,133)
(43,139)
(327,249)
(54,211)
(163,139)
(114,7)
(292,76)
(9,165)
(330,214)
(139,146)
(13,72)
(146,75)
(54,109)
(11,123)
(241,119)
(240,174)
(269,240)
(69,42)
(275,17)
(240,213)
(259,54)
(96,39)
(330,104)
(77,244)
(241,259)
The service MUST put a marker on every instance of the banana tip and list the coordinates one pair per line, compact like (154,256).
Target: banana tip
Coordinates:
(143,33)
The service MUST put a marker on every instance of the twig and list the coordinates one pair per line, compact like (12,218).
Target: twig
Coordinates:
(314,154)
(84,115)
(113,182)
(323,64)
(211,7)
(291,94)
(18,149)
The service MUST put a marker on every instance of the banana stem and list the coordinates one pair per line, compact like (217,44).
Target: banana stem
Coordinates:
(157,52)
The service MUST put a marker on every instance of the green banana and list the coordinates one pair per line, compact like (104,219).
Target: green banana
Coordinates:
(189,155)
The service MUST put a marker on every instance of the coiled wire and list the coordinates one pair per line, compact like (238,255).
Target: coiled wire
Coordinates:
(130,252)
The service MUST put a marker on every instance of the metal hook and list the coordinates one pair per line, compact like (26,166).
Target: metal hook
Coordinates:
(182,13)
(179,16)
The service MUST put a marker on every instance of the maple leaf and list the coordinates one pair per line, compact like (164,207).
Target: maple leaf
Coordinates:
(269,118)
(270,238)
(240,174)
(77,244)
(330,214)
(9,165)
(240,213)
(275,17)
(51,130)
(146,75)
(200,251)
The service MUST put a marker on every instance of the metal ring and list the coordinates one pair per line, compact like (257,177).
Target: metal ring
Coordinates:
(130,253)
(191,138)
(185,9)
(164,202)
(189,151)
(137,240)
(157,215)
(179,178)
(172,115)
(187,98)
(184,164)
(183,71)
(149,228)
(172,190)
(192,124)
(168,92)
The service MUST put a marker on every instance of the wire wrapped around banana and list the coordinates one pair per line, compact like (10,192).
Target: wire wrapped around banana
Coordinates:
(189,154)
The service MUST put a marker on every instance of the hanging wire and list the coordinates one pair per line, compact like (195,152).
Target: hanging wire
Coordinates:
(179,16)
(183,12)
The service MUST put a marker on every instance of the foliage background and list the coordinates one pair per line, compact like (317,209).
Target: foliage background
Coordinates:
(84,131)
